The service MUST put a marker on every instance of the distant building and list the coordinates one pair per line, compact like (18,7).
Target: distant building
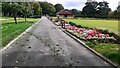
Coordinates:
(65,14)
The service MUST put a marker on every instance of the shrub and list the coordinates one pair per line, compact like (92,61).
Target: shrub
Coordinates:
(103,31)
(90,44)
(71,23)
(79,26)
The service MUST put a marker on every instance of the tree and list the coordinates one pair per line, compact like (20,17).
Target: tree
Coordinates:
(103,9)
(76,12)
(15,7)
(5,7)
(118,11)
(47,8)
(115,14)
(37,8)
(89,10)
(111,14)
(95,9)
(11,9)
(118,8)
(58,7)
(0,9)
(26,9)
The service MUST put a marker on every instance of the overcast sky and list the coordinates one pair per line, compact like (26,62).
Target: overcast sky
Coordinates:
(79,4)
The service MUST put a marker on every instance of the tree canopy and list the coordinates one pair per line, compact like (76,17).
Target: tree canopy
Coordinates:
(89,10)
(95,9)
(58,7)
(47,8)
(37,8)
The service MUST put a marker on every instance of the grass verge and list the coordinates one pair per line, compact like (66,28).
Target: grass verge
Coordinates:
(10,30)
(111,51)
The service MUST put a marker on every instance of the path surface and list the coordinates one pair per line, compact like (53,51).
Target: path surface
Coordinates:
(46,45)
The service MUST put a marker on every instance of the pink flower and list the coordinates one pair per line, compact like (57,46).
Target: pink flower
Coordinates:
(106,35)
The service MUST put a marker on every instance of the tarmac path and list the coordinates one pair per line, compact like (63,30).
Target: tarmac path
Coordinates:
(47,45)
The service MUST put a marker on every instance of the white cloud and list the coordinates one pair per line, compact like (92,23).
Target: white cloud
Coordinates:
(79,4)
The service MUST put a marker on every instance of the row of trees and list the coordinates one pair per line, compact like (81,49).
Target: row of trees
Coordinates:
(36,9)
(24,9)
(29,9)
(99,10)
(50,9)
(95,9)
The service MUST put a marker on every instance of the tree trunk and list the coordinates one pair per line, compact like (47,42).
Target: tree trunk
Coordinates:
(25,19)
(19,17)
(15,18)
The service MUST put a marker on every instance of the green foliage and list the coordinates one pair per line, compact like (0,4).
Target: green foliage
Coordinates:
(39,11)
(58,7)
(26,9)
(5,7)
(95,9)
(90,44)
(12,9)
(89,11)
(103,9)
(37,8)
(21,9)
(47,8)
(15,7)
(72,23)
(76,13)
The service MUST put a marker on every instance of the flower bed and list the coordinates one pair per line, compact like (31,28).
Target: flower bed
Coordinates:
(89,34)
(115,38)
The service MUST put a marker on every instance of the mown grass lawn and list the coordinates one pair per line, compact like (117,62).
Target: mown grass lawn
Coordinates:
(111,51)
(111,25)
(11,20)
(10,30)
